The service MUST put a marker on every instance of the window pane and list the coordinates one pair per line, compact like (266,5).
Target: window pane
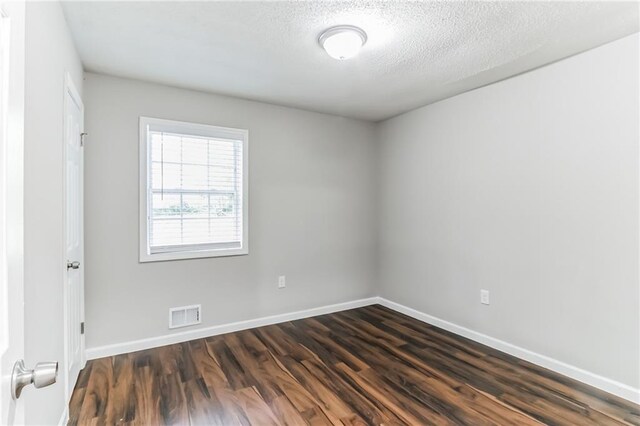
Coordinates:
(224,229)
(222,153)
(166,233)
(195,186)
(196,231)
(222,205)
(166,176)
(165,205)
(166,146)
(194,150)
(195,177)
(195,205)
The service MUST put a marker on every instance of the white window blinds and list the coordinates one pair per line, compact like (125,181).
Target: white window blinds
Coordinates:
(195,196)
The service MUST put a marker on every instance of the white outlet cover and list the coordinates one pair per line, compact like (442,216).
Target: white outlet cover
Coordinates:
(484,297)
(282,281)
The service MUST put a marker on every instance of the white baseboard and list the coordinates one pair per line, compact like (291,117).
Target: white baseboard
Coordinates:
(608,385)
(64,418)
(620,389)
(198,333)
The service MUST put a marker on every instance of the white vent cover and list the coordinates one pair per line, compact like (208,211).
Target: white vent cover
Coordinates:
(184,316)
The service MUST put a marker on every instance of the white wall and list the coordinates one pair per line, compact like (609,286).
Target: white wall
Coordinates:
(310,200)
(527,188)
(49,54)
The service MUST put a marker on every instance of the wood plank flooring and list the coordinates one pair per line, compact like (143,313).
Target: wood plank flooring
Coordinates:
(364,366)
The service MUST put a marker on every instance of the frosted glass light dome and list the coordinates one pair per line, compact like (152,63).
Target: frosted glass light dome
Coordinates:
(343,42)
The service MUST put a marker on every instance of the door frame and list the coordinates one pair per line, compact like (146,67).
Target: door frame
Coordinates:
(12,205)
(70,89)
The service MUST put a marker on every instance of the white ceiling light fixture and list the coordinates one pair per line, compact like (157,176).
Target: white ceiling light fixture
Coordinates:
(342,42)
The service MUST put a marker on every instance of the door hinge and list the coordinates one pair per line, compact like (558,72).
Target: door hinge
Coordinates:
(82,327)
(82,135)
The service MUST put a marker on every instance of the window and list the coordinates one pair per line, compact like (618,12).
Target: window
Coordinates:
(193,190)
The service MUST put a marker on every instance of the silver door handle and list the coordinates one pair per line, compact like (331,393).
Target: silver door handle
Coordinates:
(44,374)
(73,265)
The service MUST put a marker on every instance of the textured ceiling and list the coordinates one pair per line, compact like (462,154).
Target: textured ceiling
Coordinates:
(417,52)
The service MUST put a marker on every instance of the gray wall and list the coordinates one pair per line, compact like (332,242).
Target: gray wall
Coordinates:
(527,188)
(310,201)
(49,54)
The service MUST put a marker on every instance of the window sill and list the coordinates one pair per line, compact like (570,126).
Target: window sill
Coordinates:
(195,254)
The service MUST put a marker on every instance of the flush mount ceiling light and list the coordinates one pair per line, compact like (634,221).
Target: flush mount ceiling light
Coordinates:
(342,42)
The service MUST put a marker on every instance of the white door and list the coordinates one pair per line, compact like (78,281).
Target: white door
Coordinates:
(11,201)
(74,288)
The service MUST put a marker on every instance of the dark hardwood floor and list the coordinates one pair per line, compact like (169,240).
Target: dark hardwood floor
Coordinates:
(365,366)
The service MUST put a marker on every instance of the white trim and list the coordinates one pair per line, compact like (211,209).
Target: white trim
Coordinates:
(184,336)
(616,388)
(608,385)
(73,94)
(204,130)
(12,184)
(64,417)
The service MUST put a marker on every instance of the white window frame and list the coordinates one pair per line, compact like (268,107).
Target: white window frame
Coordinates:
(204,130)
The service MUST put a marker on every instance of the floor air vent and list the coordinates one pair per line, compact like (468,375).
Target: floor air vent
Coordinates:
(184,316)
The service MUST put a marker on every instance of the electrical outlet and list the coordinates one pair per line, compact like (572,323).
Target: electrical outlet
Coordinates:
(484,297)
(282,281)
